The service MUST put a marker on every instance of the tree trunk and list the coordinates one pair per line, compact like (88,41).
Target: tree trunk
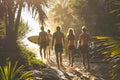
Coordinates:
(10,43)
(12,25)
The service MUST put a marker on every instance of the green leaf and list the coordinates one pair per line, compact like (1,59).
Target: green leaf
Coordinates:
(26,75)
(113,11)
(118,15)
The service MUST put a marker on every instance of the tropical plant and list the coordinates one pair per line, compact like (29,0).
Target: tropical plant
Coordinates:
(14,72)
(31,59)
(23,29)
(95,15)
(11,14)
(62,14)
(2,29)
(115,12)
(109,47)
(117,8)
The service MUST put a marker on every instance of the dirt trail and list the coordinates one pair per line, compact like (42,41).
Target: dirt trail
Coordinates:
(98,69)
(77,72)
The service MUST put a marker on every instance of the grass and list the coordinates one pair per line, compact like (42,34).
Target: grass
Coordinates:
(30,56)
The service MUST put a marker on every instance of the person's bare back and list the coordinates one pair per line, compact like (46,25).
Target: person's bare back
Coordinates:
(43,41)
(71,40)
(58,41)
(58,36)
(84,39)
(43,36)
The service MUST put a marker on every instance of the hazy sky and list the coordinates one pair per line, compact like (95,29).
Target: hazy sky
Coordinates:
(33,25)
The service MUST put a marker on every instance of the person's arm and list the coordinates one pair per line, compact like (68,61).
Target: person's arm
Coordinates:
(80,39)
(67,40)
(47,37)
(52,41)
(63,40)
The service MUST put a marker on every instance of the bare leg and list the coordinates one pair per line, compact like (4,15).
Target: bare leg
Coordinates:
(60,59)
(45,53)
(84,60)
(49,53)
(61,65)
(69,57)
(87,61)
(57,60)
(41,53)
(72,58)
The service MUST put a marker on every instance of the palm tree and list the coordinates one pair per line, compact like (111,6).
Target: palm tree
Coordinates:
(61,13)
(115,12)
(11,14)
(109,47)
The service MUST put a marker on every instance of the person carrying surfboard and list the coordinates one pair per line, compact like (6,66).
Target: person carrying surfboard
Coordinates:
(43,42)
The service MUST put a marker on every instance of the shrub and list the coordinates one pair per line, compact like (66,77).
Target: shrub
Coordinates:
(13,72)
(110,48)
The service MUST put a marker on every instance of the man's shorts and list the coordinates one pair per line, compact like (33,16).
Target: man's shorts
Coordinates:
(58,48)
(43,44)
(84,49)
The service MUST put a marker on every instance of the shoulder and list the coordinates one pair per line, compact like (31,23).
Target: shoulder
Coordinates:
(44,32)
(40,33)
(62,33)
(54,33)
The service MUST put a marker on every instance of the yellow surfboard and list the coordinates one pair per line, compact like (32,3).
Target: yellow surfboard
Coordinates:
(33,39)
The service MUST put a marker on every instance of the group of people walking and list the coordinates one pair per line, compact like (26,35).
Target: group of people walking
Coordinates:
(57,42)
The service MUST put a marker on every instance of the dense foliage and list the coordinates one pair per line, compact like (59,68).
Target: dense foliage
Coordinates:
(14,72)
(109,48)
(100,16)
(11,15)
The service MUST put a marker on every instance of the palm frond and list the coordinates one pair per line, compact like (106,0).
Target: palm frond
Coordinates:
(110,47)
(13,72)
(113,11)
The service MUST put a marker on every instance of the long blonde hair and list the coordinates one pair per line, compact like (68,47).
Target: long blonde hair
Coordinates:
(70,33)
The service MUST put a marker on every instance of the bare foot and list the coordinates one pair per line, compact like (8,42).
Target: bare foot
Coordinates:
(62,67)
(59,68)
(69,65)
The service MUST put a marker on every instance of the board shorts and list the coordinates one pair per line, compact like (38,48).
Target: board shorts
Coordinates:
(58,48)
(84,49)
(71,47)
(43,44)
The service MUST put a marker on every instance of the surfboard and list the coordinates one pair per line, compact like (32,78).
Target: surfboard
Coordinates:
(33,39)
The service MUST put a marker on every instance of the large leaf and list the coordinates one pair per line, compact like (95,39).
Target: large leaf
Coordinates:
(110,47)
(13,72)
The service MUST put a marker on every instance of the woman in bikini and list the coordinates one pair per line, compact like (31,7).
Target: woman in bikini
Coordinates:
(71,45)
